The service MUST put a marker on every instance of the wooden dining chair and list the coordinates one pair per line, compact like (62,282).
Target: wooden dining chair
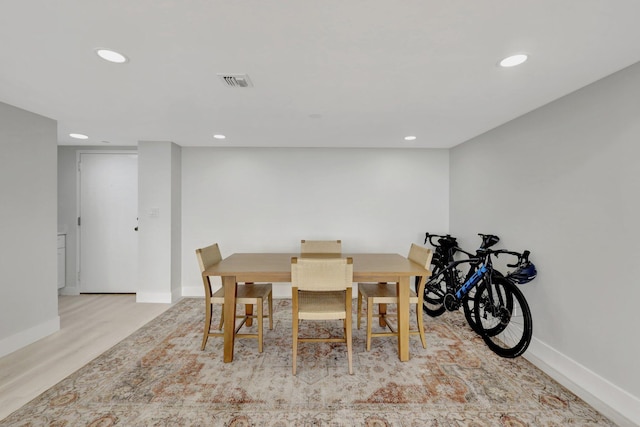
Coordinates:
(247,294)
(321,246)
(321,290)
(386,293)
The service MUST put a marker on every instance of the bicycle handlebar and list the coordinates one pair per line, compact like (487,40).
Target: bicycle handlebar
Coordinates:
(429,238)
(522,257)
(487,240)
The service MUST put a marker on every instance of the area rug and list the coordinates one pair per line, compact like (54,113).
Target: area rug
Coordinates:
(158,376)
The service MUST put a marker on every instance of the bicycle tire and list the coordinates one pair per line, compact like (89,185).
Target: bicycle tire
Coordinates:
(435,290)
(505,321)
(468,306)
(469,303)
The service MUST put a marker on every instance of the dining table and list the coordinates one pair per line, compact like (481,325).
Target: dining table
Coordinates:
(276,267)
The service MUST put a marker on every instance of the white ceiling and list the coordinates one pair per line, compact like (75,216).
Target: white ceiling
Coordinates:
(326,73)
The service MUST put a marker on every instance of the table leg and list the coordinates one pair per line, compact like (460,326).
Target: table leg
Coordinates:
(382,311)
(403,318)
(229,283)
(248,308)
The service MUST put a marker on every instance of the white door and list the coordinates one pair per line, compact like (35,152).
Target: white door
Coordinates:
(108,222)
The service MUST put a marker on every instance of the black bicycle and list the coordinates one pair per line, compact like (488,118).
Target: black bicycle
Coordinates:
(451,279)
(501,314)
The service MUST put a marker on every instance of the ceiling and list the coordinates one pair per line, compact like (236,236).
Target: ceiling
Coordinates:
(330,73)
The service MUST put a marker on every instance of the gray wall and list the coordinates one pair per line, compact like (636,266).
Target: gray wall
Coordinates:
(564,182)
(28,255)
(253,200)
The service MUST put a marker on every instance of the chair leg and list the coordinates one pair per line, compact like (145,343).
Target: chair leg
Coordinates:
(295,342)
(369,321)
(260,320)
(270,300)
(420,319)
(348,328)
(359,307)
(221,324)
(207,325)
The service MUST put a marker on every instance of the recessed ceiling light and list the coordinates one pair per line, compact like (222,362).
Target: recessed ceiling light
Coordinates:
(513,60)
(219,136)
(111,56)
(409,138)
(78,136)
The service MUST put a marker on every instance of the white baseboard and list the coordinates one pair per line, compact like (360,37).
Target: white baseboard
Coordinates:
(193,291)
(154,297)
(176,295)
(610,400)
(70,290)
(29,336)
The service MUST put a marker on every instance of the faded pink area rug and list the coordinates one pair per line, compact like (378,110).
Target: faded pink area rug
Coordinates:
(159,377)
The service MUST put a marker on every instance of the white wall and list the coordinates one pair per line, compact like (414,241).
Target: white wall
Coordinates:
(159,222)
(176,222)
(256,200)
(564,182)
(28,254)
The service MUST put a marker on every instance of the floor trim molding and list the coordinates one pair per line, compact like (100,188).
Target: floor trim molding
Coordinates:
(154,297)
(609,399)
(29,336)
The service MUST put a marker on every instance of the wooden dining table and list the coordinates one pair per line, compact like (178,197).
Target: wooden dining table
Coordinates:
(276,267)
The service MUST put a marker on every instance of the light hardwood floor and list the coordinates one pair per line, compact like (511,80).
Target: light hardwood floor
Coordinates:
(89,325)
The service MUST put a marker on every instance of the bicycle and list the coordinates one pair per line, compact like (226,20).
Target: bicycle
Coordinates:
(505,317)
(443,254)
(501,313)
(439,285)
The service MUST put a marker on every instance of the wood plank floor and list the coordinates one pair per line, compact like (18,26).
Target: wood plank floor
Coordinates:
(89,325)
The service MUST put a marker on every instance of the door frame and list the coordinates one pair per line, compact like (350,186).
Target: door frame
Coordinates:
(78,189)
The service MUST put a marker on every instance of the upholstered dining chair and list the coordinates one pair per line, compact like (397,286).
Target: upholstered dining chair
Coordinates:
(386,293)
(247,294)
(321,290)
(321,246)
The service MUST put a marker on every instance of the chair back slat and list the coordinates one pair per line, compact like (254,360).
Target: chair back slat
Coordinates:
(420,255)
(321,246)
(208,256)
(321,274)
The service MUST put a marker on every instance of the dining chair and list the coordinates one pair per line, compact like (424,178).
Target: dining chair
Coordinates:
(386,293)
(247,294)
(321,290)
(321,246)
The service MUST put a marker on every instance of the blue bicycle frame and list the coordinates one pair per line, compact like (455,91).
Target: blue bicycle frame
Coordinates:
(473,280)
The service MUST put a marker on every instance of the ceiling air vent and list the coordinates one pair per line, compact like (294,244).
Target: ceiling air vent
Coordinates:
(236,80)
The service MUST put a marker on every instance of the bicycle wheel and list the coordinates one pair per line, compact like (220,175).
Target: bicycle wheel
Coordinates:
(468,305)
(504,318)
(434,290)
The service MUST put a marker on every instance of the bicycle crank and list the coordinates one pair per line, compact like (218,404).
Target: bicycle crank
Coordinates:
(451,303)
